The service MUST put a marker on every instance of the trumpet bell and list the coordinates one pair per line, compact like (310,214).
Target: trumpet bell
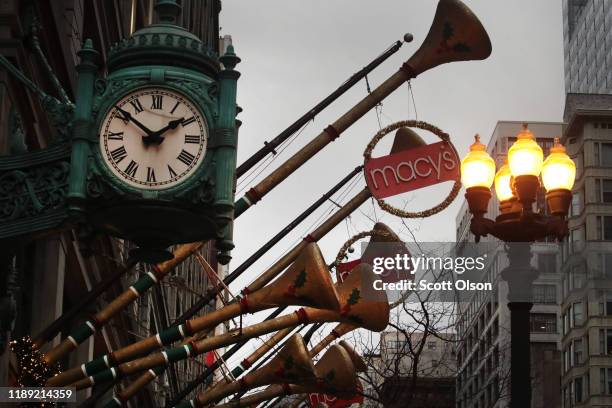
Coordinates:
(335,374)
(360,304)
(456,34)
(358,362)
(307,282)
(291,364)
(405,139)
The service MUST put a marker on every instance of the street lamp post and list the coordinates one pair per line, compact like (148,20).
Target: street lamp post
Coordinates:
(517,183)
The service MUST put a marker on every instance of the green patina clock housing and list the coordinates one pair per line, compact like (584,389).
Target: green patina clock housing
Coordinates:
(198,207)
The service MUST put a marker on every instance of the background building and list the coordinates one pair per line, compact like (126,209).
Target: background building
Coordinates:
(586,257)
(483,324)
(46,276)
(587,34)
(434,356)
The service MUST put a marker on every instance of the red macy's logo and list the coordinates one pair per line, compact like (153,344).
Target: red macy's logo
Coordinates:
(411,169)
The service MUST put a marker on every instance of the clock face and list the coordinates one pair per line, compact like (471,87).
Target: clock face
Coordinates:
(153,138)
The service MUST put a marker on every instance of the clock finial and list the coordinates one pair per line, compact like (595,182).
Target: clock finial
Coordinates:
(168,11)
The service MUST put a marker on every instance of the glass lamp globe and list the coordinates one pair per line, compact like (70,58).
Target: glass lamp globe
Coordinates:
(477,167)
(558,171)
(525,156)
(503,189)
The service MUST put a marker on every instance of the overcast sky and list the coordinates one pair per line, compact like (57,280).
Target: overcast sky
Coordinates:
(294,53)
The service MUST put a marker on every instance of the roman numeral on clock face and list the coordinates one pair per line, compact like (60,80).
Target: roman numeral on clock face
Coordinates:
(172,172)
(118,154)
(158,101)
(186,157)
(192,139)
(131,168)
(174,108)
(188,121)
(150,175)
(115,136)
(137,106)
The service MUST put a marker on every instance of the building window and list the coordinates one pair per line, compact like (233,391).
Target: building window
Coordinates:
(578,389)
(543,322)
(577,200)
(605,303)
(603,190)
(605,341)
(577,277)
(431,345)
(605,380)
(603,154)
(577,316)
(577,239)
(604,228)
(605,264)
(578,351)
(546,294)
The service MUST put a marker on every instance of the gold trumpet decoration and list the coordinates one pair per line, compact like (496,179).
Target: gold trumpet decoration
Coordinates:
(306,282)
(456,34)
(384,234)
(335,376)
(360,305)
(291,364)
(360,365)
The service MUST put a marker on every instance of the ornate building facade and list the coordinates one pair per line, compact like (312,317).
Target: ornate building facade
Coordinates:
(44,277)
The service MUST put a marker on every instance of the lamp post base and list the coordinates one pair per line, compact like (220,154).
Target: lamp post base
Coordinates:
(520,355)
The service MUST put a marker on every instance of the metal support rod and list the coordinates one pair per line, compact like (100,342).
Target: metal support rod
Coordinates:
(329,134)
(269,147)
(27,82)
(43,59)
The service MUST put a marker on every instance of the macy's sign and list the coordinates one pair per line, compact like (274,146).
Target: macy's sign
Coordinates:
(411,169)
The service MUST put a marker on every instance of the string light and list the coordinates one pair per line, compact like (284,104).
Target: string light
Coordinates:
(33,369)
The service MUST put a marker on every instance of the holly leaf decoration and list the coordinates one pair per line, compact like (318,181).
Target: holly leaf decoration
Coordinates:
(329,377)
(300,280)
(461,47)
(448,31)
(354,297)
(289,363)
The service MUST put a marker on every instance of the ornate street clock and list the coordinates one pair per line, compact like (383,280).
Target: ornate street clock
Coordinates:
(153,138)
(146,153)
(158,141)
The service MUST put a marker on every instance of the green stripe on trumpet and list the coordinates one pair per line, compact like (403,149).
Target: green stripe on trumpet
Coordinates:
(144,283)
(96,365)
(170,335)
(81,333)
(104,376)
(178,353)
(237,371)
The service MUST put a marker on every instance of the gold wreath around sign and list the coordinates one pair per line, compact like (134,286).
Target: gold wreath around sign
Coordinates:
(367,155)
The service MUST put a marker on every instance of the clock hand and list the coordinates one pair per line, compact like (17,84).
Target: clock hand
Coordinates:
(128,116)
(156,137)
(173,124)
